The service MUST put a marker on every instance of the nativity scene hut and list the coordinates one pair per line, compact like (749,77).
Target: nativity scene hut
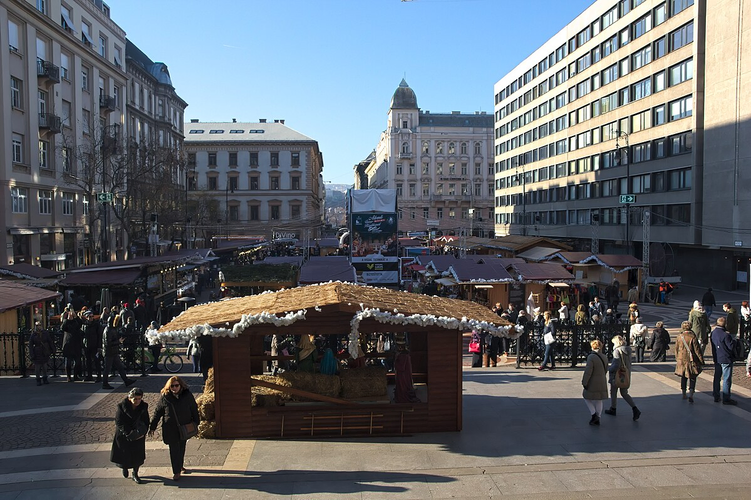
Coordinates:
(429,328)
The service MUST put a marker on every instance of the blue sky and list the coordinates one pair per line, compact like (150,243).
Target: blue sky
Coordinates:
(330,67)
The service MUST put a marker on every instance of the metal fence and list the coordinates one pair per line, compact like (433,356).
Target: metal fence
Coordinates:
(572,347)
(16,359)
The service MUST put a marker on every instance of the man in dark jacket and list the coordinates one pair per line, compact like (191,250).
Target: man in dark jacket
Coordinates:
(72,342)
(722,355)
(92,334)
(708,302)
(732,321)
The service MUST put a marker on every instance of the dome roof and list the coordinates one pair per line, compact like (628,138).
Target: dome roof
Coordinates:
(404,97)
(161,73)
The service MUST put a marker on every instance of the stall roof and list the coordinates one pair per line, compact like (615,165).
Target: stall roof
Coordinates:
(517,243)
(616,262)
(536,254)
(541,272)
(327,300)
(440,263)
(325,269)
(571,257)
(469,271)
(501,261)
(110,277)
(27,271)
(14,294)
(294,260)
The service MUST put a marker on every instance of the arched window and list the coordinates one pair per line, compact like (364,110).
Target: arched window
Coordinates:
(425,147)
(405,147)
(452,148)
(464,148)
(478,148)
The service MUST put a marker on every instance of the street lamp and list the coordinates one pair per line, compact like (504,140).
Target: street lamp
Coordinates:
(620,152)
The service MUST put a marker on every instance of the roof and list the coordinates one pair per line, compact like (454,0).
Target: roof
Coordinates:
(538,253)
(295,261)
(14,294)
(541,272)
(620,262)
(351,303)
(27,271)
(328,242)
(519,243)
(404,97)
(470,271)
(501,261)
(246,132)
(325,269)
(571,257)
(107,277)
(440,263)
(456,120)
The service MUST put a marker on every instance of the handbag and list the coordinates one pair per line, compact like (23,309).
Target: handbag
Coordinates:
(188,430)
(622,379)
(138,432)
(693,366)
(738,350)
(474,347)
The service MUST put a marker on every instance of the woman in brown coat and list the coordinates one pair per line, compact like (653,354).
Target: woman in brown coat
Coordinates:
(688,360)
(594,381)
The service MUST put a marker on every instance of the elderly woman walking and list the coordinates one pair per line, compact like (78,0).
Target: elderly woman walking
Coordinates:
(659,342)
(638,334)
(621,359)
(688,360)
(131,426)
(699,321)
(593,380)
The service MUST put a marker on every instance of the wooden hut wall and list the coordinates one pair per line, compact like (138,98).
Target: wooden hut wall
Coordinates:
(444,381)
(232,370)
(499,293)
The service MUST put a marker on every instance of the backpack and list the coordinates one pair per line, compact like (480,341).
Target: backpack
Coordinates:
(738,350)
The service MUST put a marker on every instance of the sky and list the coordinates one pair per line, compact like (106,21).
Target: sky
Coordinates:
(330,67)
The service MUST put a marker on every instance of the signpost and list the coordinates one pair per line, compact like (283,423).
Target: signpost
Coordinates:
(628,198)
(104,197)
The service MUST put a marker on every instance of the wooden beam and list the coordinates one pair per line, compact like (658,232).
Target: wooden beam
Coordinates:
(301,393)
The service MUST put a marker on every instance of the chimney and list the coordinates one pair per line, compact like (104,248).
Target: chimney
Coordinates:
(234,120)
(194,120)
(262,120)
(276,121)
(281,121)
(456,112)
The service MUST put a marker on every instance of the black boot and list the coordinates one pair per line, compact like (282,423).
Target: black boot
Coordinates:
(136,479)
(39,381)
(45,381)
(637,413)
(595,420)
(125,472)
(610,411)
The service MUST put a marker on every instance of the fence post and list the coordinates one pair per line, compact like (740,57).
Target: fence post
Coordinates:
(142,341)
(22,352)
(578,331)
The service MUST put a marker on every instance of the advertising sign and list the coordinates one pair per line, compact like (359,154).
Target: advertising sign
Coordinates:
(374,237)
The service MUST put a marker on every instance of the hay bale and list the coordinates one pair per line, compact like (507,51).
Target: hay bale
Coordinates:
(209,385)
(266,400)
(207,430)
(206,406)
(325,385)
(365,382)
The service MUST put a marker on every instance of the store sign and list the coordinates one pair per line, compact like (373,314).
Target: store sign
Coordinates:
(284,235)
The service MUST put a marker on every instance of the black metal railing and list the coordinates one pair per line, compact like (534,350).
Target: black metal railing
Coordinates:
(48,70)
(50,122)
(573,342)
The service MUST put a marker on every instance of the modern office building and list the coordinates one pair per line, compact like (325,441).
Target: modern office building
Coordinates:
(441,165)
(644,98)
(254,179)
(62,88)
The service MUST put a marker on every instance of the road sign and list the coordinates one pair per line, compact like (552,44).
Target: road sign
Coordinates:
(628,198)
(104,197)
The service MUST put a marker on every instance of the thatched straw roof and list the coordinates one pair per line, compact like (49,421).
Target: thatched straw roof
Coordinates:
(284,307)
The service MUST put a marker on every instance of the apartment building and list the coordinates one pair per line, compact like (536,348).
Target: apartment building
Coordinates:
(630,122)
(62,89)
(441,165)
(253,179)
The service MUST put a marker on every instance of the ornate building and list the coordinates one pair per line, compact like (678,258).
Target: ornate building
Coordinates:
(440,165)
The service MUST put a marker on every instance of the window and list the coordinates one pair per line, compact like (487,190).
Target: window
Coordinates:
(678,214)
(295,182)
(64,65)
(274,182)
(641,57)
(85,205)
(254,184)
(233,183)
(17,148)
(452,168)
(86,118)
(399,169)
(625,7)
(253,158)
(677,6)
(439,189)
(102,46)
(681,108)
(659,115)
(682,36)
(452,148)
(84,78)
(13,38)
(682,72)
(642,25)
(452,189)
(642,89)
(411,169)
(399,191)
(661,148)
(439,148)
(610,74)
(659,82)
(15,93)
(641,152)
(623,71)
(295,211)
(274,159)
(295,161)
(625,37)
(212,183)
(679,179)
(233,159)
(412,190)
(439,213)
(478,169)
(610,17)
(641,121)
(118,57)
(452,213)
(681,143)
(42,6)
(234,213)
(660,14)
(86,35)
(19,197)
(254,215)
(275,212)
(44,148)
(659,48)
(67,203)
(45,202)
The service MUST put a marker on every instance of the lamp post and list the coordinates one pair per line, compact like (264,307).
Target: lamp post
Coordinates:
(619,151)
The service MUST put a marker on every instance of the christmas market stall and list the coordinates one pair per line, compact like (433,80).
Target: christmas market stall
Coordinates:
(351,392)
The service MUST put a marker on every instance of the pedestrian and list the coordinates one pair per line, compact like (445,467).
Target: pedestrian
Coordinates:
(580,318)
(659,343)
(155,348)
(722,355)
(194,354)
(633,313)
(688,360)
(621,360)
(549,338)
(609,318)
(599,308)
(112,353)
(745,318)
(72,344)
(131,426)
(633,295)
(92,336)
(562,312)
(594,381)
(708,303)
(732,320)
(41,348)
(699,325)
(476,348)
(178,413)
(638,337)
(207,354)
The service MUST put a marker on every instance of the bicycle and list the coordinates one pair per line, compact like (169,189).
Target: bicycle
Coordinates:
(169,358)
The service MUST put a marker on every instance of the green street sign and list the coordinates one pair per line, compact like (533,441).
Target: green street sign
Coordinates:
(628,198)
(104,197)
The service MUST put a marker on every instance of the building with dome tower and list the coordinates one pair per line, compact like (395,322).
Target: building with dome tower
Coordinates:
(440,164)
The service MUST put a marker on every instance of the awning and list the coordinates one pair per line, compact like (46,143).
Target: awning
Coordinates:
(559,285)
(52,257)
(88,38)
(22,231)
(483,286)
(445,281)
(114,277)
(70,24)
(14,295)
(186,267)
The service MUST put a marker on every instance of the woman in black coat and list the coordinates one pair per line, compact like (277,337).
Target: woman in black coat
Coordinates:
(659,342)
(131,426)
(176,408)
(72,343)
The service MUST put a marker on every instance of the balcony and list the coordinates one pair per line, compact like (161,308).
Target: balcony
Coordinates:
(47,70)
(107,103)
(404,155)
(50,122)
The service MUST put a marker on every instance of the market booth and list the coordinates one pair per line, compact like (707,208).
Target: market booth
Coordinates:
(432,326)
